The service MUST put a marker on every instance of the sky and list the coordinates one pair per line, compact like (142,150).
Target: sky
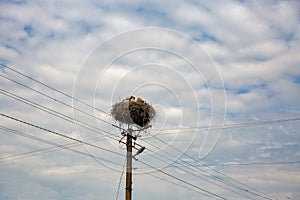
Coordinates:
(223,77)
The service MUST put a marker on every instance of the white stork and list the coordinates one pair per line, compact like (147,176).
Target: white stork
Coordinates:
(139,99)
(130,98)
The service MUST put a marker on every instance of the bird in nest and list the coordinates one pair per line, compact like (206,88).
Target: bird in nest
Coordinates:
(130,98)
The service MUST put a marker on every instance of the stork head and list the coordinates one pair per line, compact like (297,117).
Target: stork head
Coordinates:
(139,99)
(130,98)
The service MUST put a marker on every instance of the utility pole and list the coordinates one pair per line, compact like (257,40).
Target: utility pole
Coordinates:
(128,134)
(129,112)
(128,164)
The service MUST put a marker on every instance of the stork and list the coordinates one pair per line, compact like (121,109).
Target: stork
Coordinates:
(139,99)
(130,98)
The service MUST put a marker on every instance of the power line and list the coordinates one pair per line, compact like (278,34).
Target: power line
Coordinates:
(52,88)
(263,195)
(58,114)
(58,91)
(197,128)
(57,145)
(233,164)
(101,148)
(36,91)
(205,173)
(83,142)
(48,142)
(54,99)
(257,192)
(173,183)
(41,151)
(73,150)
(266,196)
(59,134)
(120,180)
(55,113)
(216,127)
(184,181)
(225,126)
(212,176)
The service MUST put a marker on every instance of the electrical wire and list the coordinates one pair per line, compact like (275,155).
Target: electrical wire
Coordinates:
(266,196)
(215,177)
(58,114)
(225,126)
(120,180)
(59,134)
(43,85)
(196,128)
(43,128)
(217,127)
(79,152)
(42,151)
(212,176)
(58,91)
(173,183)
(212,194)
(52,88)
(240,164)
(60,145)
(203,172)
(55,99)
(249,190)
(110,151)
(239,125)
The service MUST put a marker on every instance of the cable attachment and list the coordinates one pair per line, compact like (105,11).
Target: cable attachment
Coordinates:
(140,150)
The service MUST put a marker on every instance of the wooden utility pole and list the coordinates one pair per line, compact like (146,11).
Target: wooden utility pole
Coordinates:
(128,165)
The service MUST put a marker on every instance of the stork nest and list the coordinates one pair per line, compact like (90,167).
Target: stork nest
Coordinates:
(133,112)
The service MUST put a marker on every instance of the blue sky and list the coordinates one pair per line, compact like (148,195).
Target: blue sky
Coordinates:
(200,63)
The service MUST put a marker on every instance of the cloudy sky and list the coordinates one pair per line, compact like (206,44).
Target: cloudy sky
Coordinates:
(223,77)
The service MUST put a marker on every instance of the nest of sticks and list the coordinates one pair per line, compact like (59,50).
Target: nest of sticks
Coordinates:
(131,112)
